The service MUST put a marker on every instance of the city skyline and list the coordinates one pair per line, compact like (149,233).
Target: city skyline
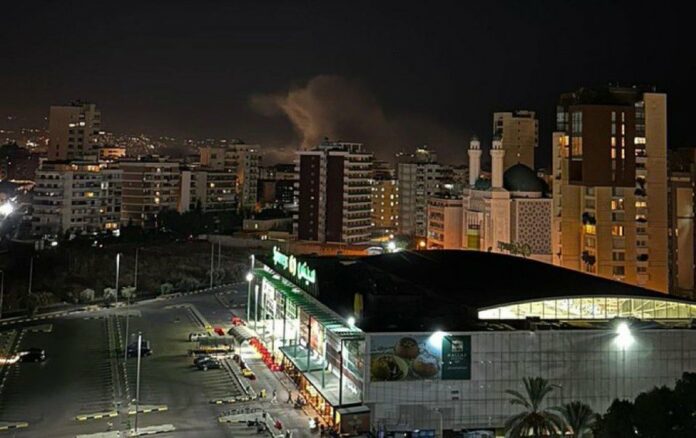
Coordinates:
(419,76)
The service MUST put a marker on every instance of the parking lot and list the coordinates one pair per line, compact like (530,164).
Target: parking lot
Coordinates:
(84,388)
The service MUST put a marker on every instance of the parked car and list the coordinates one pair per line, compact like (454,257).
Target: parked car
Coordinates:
(197,336)
(32,355)
(246,372)
(208,364)
(219,331)
(201,358)
(145,349)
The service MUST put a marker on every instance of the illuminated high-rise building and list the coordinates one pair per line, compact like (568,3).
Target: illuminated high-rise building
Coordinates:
(334,193)
(610,185)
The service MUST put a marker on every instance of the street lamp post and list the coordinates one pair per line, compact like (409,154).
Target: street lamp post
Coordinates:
(212,262)
(2,289)
(118,267)
(249,279)
(440,414)
(31,273)
(135,279)
(137,382)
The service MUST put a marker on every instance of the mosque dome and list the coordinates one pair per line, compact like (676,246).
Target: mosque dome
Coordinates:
(482,184)
(521,178)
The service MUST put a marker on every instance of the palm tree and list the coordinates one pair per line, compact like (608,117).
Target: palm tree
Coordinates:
(533,421)
(579,418)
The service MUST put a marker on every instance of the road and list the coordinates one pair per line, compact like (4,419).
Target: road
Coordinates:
(84,372)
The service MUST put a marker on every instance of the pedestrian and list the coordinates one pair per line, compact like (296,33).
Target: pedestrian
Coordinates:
(274,400)
(263,393)
(289,397)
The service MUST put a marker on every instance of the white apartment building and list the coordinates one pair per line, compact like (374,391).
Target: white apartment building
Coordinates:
(419,179)
(211,190)
(76,196)
(238,158)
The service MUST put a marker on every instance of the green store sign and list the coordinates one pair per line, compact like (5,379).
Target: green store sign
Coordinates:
(300,270)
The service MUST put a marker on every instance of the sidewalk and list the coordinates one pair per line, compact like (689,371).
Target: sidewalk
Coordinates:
(296,420)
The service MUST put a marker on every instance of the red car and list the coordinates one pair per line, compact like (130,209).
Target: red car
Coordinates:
(236,321)
(219,331)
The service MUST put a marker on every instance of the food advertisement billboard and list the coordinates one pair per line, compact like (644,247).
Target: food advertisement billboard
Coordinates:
(420,357)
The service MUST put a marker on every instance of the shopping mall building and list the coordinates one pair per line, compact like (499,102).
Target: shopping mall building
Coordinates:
(428,339)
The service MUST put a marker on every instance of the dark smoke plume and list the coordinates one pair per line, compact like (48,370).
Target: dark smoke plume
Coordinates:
(342,109)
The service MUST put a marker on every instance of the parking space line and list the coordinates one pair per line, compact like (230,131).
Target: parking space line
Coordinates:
(96,416)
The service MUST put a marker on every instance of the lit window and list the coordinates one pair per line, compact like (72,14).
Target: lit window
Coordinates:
(617,230)
(617,204)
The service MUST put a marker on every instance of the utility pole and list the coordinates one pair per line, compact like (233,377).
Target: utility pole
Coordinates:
(219,254)
(137,383)
(31,273)
(2,289)
(125,341)
(135,281)
(212,263)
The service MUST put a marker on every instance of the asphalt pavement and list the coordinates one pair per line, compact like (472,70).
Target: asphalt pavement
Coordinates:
(83,387)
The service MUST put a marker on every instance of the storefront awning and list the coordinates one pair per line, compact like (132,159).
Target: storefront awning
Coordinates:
(241,333)
(321,313)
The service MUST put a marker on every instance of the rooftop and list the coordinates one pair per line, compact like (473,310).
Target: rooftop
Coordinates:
(451,289)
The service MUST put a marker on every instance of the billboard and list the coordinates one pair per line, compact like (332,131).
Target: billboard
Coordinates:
(420,357)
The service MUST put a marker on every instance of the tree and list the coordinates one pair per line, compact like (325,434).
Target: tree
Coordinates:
(578,417)
(128,292)
(187,283)
(166,288)
(534,419)
(36,300)
(660,412)
(86,296)
(109,294)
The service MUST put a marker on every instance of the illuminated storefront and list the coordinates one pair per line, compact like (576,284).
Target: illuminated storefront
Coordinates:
(319,350)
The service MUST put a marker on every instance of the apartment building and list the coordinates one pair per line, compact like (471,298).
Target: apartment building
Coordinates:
(208,190)
(75,197)
(150,184)
(334,192)
(519,133)
(420,177)
(73,131)
(238,158)
(610,213)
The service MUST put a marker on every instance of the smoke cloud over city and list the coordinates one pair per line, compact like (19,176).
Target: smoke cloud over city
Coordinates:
(343,109)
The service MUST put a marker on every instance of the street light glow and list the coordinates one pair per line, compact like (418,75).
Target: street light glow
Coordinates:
(6,209)
(351,321)
(249,277)
(624,338)
(436,338)
(391,246)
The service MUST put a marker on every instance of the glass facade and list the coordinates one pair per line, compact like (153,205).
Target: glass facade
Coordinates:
(593,308)
(320,351)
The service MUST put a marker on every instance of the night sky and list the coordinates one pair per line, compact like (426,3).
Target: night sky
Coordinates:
(392,75)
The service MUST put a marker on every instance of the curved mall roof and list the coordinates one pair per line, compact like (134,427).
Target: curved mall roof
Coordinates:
(456,289)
